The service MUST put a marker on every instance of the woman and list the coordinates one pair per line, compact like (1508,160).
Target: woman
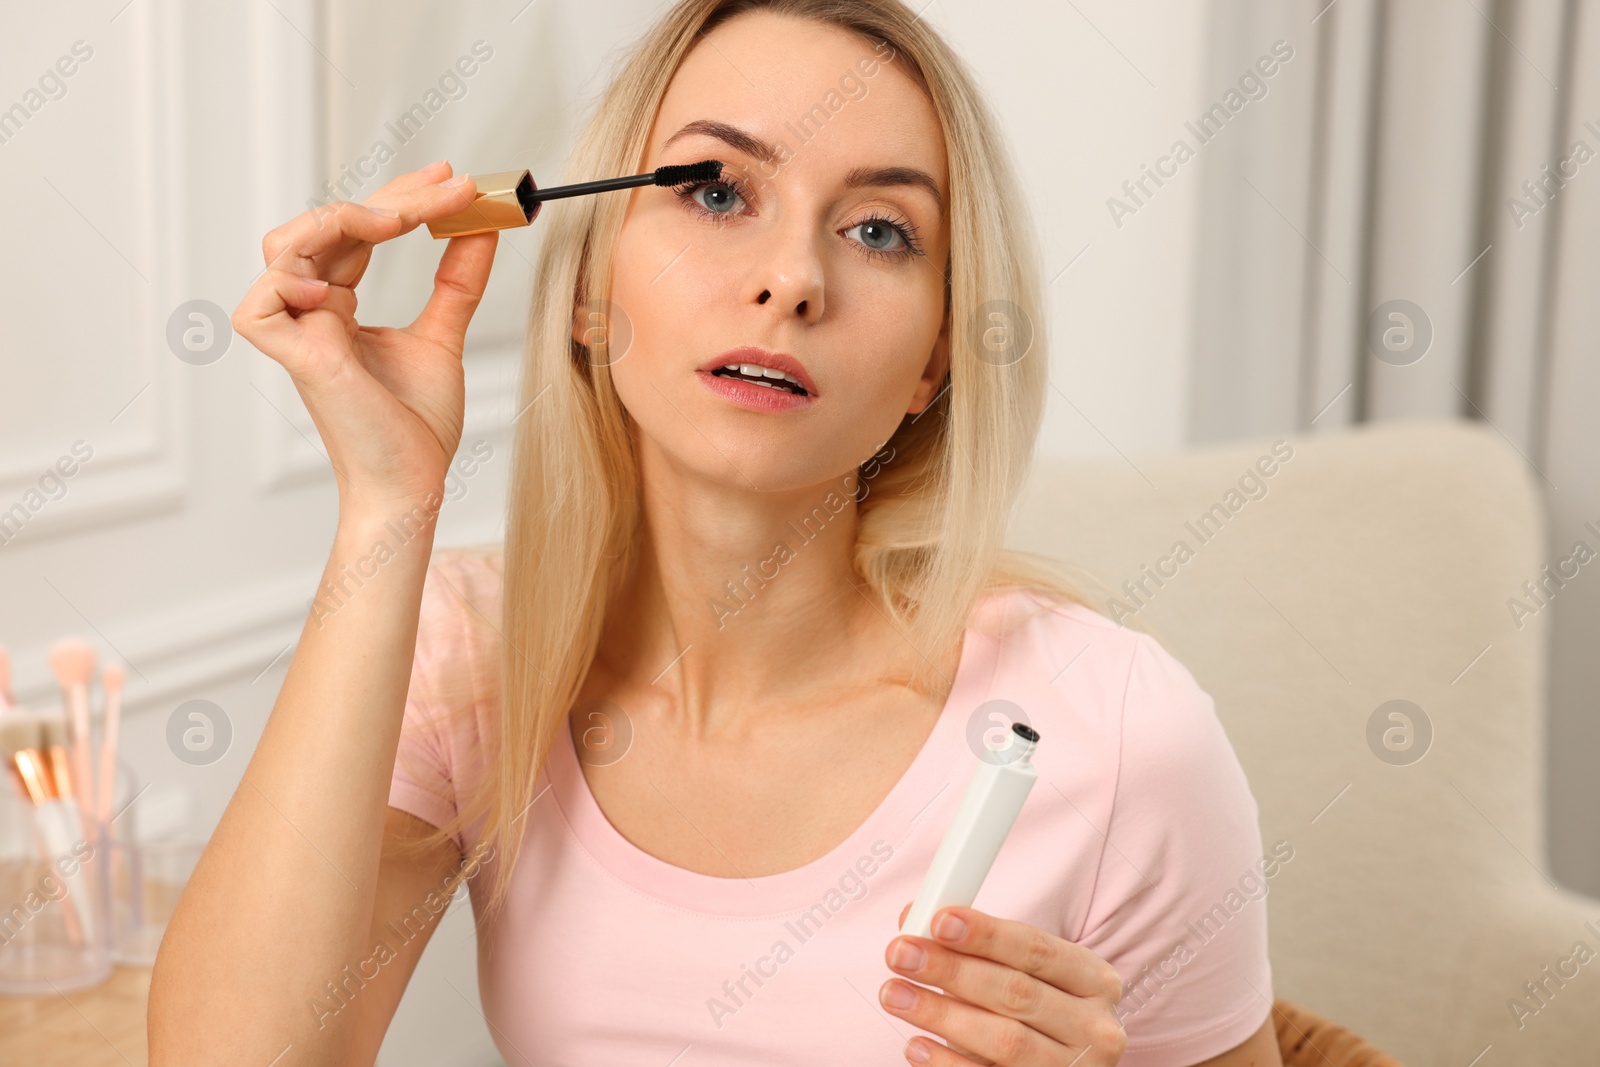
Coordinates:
(748,638)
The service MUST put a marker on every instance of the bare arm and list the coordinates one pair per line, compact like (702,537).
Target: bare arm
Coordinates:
(406,890)
(291,887)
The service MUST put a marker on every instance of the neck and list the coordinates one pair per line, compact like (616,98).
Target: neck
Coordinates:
(743,603)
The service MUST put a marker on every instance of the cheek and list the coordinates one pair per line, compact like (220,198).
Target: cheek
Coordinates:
(669,321)
(668,284)
(894,333)
(672,305)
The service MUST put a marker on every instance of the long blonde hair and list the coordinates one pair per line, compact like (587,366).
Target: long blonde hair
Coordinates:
(934,507)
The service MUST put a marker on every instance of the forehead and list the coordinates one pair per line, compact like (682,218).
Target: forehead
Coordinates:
(834,100)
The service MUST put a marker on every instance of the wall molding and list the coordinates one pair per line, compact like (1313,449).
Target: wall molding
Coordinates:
(144,467)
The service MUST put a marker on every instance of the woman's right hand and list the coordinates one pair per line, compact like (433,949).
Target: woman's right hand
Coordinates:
(388,402)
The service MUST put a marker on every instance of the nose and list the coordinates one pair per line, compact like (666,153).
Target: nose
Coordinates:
(789,275)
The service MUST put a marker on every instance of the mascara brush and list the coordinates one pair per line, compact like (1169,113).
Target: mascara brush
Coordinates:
(510,198)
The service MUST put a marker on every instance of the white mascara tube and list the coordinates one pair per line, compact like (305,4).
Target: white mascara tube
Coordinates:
(990,805)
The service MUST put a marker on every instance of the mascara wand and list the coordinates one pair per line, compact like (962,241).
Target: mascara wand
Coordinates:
(510,198)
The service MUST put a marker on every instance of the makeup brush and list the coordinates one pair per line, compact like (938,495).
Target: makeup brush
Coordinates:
(32,750)
(19,732)
(74,815)
(510,198)
(112,677)
(72,662)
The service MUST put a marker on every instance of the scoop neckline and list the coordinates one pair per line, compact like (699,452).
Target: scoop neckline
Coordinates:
(800,887)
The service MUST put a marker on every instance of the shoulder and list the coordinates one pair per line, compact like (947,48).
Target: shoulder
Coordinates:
(1055,646)
(448,713)
(1170,737)
(1124,694)
(1060,632)
(463,578)
(457,626)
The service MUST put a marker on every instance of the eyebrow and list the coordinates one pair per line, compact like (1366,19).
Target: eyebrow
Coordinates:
(857,178)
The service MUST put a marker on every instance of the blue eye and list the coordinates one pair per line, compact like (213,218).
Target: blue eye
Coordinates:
(881,230)
(877,229)
(723,196)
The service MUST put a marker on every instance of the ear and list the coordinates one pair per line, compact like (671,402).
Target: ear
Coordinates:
(933,374)
(579,322)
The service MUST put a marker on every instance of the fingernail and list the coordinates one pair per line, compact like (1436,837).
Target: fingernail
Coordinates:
(916,1053)
(908,956)
(456,182)
(436,163)
(386,212)
(899,996)
(317,281)
(950,928)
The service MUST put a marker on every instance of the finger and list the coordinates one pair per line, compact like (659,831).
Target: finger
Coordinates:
(268,308)
(947,1055)
(981,1061)
(904,912)
(312,233)
(430,200)
(343,224)
(266,317)
(346,261)
(966,1026)
(458,287)
(1023,946)
(432,174)
(999,989)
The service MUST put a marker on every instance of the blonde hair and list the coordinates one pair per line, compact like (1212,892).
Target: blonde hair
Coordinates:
(931,526)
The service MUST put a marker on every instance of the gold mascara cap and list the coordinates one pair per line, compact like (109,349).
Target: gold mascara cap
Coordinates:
(504,200)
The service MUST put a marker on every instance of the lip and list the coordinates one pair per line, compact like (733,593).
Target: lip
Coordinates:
(776,360)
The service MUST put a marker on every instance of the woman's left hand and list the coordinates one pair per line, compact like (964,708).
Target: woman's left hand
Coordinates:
(1015,996)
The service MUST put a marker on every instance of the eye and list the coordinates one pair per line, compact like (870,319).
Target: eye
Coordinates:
(878,236)
(874,231)
(721,197)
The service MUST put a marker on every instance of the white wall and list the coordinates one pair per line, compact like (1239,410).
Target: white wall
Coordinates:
(1088,93)
(190,541)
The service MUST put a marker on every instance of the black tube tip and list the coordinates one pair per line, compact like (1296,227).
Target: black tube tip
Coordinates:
(1024,731)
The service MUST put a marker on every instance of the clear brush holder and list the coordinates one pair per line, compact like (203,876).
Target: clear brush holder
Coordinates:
(144,878)
(54,930)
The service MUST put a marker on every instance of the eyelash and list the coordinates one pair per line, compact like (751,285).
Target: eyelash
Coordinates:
(905,227)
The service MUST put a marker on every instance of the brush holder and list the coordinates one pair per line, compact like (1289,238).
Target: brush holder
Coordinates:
(144,878)
(53,930)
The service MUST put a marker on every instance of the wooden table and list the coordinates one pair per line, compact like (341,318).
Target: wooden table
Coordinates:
(84,1028)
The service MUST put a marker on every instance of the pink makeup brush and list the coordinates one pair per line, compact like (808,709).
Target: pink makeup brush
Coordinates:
(112,678)
(72,662)
(30,746)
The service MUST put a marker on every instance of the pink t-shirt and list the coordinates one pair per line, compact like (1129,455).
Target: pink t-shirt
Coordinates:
(1139,841)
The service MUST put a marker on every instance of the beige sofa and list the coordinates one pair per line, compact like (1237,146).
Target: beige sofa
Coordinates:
(1369,567)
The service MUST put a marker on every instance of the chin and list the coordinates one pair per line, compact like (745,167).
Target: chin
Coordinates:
(704,435)
(730,460)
